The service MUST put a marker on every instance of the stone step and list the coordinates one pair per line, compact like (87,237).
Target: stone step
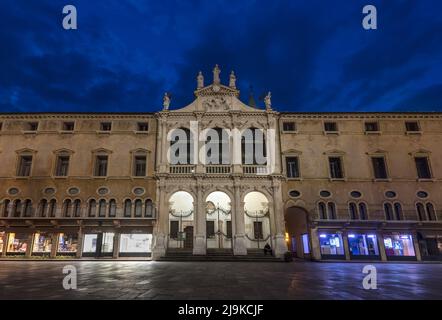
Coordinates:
(221,258)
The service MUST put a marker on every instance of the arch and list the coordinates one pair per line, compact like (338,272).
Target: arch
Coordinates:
(331,208)
(42,208)
(218,220)
(322,210)
(112,208)
(398,213)
(431,212)
(138,208)
(92,207)
(256,219)
(127,210)
(296,228)
(17,208)
(388,211)
(353,211)
(181,216)
(77,208)
(6,208)
(67,207)
(52,209)
(148,208)
(102,208)
(420,211)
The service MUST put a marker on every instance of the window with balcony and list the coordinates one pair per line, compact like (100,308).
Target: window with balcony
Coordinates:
(253,147)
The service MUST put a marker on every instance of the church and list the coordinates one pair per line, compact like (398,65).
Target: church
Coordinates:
(220,176)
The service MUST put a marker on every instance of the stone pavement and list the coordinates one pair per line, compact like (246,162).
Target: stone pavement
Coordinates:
(217,280)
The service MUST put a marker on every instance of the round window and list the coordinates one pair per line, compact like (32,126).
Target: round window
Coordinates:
(422,194)
(390,194)
(294,193)
(138,191)
(73,191)
(13,191)
(102,191)
(325,193)
(355,194)
(49,190)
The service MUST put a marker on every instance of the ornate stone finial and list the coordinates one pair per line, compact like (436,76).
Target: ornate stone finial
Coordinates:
(232,82)
(216,72)
(200,80)
(268,101)
(166,101)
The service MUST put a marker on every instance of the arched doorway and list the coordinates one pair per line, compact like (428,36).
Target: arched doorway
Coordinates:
(297,236)
(257,220)
(181,217)
(218,221)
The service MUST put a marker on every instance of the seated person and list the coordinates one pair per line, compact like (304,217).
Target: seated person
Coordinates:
(267,249)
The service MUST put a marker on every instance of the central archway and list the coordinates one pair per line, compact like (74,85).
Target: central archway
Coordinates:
(218,221)
(297,236)
(181,217)
(257,220)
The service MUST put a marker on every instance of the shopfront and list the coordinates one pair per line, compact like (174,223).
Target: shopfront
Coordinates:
(2,241)
(67,244)
(100,244)
(42,244)
(135,245)
(363,246)
(430,245)
(399,246)
(331,245)
(17,244)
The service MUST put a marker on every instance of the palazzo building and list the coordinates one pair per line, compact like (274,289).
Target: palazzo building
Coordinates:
(221,175)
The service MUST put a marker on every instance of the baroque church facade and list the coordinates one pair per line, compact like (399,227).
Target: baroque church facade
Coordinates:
(219,175)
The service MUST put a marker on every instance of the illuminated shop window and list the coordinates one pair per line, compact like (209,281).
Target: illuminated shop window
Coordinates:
(331,244)
(135,243)
(42,243)
(108,242)
(2,236)
(305,244)
(363,245)
(17,243)
(90,243)
(399,245)
(67,243)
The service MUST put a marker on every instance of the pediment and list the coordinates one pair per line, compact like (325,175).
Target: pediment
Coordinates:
(216,90)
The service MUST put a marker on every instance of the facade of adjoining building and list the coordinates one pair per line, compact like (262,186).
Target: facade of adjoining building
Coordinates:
(219,174)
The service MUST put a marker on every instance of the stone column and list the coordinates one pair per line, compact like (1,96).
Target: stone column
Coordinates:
(80,242)
(54,245)
(278,216)
(30,245)
(5,244)
(417,250)
(315,250)
(380,239)
(161,228)
(199,244)
(116,245)
(239,239)
(345,244)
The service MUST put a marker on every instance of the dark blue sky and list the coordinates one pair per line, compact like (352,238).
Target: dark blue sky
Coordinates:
(312,55)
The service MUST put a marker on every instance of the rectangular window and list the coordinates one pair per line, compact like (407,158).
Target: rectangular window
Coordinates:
(174,226)
(422,167)
(363,245)
(135,243)
(68,126)
(42,243)
(31,126)
(399,245)
(210,229)
(371,126)
(330,126)
(1,126)
(379,167)
(331,244)
(139,166)
(24,166)
(67,243)
(101,166)
(143,126)
(335,168)
(292,165)
(17,243)
(412,126)
(288,126)
(62,166)
(257,230)
(90,243)
(105,126)
(229,229)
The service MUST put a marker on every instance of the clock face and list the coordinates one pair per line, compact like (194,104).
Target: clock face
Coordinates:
(216,88)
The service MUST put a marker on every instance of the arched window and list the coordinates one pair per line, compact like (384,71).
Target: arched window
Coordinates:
(322,210)
(52,208)
(102,208)
(398,211)
(217,146)
(27,208)
(331,211)
(363,211)
(92,208)
(181,146)
(112,208)
(148,208)
(128,208)
(6,204)
(253,146)
(353,211)
(431,213)
(138,208)
(421,212)
(77,208)
(17,208)
(67,208)
(388,210)
(42,208)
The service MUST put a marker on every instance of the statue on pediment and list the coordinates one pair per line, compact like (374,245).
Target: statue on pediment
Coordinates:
(232,82)
(200,80)
(268,101)
(166,101)
(216,72)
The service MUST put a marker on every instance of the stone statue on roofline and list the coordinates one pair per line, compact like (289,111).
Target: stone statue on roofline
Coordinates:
(166,101)
(232,82)
(200,80)
(216,72)
(268,101)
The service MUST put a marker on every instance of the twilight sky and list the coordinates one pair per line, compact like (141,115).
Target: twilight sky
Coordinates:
(312,55)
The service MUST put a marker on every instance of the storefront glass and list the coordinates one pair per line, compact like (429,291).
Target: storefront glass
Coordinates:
(331,244)
(399,245)
(17,243)
(2,235)
(108,243)
(363,244)
(135,242)
(67,243)
(42,243)
(305,244)
(90,243)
